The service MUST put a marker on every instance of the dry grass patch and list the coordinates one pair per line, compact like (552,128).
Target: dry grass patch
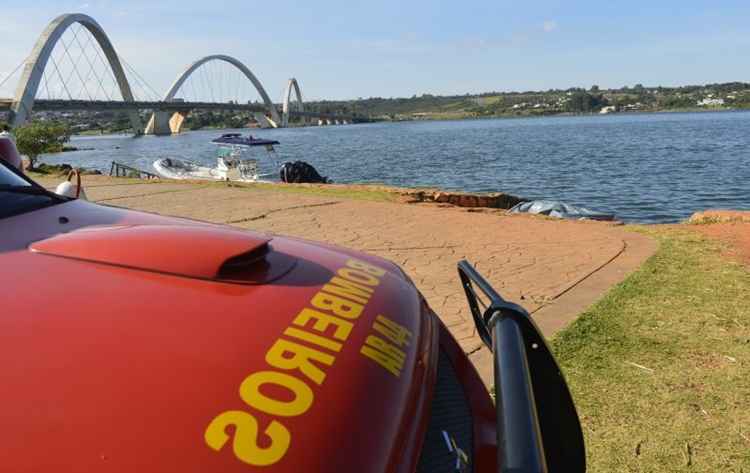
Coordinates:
(338,191)
(660,368)
(325,190)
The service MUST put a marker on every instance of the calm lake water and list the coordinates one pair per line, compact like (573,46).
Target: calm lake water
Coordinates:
(651,168)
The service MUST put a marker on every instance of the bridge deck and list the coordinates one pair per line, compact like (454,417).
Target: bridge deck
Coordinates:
(101,105)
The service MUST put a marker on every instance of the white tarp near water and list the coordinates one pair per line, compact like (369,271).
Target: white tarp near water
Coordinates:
(555,208)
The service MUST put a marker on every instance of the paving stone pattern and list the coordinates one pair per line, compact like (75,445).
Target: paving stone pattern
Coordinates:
(529,260)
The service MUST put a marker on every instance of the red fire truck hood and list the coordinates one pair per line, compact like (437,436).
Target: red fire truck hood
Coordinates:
(133,342)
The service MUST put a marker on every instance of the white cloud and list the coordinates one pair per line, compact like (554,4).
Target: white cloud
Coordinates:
(549,25)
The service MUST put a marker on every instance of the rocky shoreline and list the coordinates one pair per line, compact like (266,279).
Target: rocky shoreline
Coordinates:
(493,200)
(59,169)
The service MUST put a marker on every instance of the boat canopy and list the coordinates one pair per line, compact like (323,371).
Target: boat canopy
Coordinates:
(236,139)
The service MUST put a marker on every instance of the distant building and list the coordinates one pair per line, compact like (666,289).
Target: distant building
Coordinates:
(633,107)
(608,109)
(710,102)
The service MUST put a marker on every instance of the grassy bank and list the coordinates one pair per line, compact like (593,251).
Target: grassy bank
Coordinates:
(334,191)
(660,368)
(52,176)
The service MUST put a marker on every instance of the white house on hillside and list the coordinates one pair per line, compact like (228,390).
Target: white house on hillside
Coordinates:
(710,102)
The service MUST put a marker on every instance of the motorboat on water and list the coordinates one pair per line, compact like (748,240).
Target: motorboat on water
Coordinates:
(231,164)
(237,140)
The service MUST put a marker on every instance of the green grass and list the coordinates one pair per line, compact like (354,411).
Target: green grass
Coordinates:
(51,180)
(684,318)
(338,192)
(355,192)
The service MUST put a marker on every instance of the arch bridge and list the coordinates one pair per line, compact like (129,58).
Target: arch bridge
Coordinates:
(291,85)
(162,123)
(169,112)
(28,86)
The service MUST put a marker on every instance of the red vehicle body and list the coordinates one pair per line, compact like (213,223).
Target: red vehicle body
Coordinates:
(136,343)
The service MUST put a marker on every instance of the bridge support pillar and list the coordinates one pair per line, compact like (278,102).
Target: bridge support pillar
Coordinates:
(264,121)
(176,122)
(159,124)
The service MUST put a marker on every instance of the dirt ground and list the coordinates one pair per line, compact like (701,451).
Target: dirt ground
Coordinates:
(554,268)
(736,236)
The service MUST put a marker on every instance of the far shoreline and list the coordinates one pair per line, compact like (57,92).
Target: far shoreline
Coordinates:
(697,110)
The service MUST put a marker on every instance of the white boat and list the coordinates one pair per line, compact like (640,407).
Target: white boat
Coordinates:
(230,164)
(174,168)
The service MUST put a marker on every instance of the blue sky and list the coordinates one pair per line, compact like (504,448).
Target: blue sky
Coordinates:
(349,49)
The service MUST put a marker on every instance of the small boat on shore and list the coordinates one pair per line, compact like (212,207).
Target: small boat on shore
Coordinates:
(231,165)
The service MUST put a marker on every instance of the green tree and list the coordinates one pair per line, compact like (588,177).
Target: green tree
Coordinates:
(583,102)
(41,137)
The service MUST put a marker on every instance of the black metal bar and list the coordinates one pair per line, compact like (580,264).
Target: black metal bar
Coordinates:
(519,436)
(466,273)
(476,278)
(121,170)
(538,427)
(520,447)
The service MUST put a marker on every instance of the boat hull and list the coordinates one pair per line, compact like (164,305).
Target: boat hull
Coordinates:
(171,168)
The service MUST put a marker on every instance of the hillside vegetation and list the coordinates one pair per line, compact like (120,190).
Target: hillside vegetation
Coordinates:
(551,102)
(727,96)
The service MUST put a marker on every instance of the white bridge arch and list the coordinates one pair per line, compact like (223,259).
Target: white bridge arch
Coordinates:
(23,102)
(162,121)
(292,85)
